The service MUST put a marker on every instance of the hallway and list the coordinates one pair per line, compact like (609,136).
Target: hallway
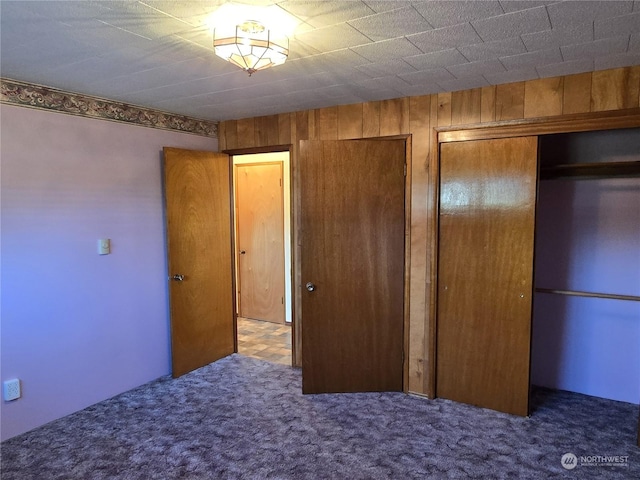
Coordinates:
(264,340)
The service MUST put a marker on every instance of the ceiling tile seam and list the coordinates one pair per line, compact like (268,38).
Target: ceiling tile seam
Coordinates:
(501,63)
(210,50)
(485,78)
(546,9)
(425,19)
(476,32)
(355,53)
(230,90)
(458,48)
(182,83)
(389,11)
(561,56)
(168,14)
(501,6)
(160,68)
(407,37)
(123,29)
(371,9)
(402,59)
(534,51)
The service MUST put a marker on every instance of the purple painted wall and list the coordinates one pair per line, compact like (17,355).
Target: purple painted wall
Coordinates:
(78,327)
(588,238)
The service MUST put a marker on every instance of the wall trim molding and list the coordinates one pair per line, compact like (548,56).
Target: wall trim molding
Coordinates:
(30,95)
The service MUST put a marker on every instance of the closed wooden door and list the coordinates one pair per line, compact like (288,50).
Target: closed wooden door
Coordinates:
(485,272)
(199,249)
(260,241)
(352,265)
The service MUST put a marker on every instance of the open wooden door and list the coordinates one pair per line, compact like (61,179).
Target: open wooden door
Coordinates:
(260,241)
(199,249)
(352,262)
(485,272)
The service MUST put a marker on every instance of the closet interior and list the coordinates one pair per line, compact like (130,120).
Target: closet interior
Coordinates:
(586,309)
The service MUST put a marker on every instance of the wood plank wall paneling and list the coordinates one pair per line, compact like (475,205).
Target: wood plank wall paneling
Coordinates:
(420,127)
(326,124)
(268,131)
(222,136)
(444,109)
(299,131)
(466,107)
(350,121)
(582,93)
(302,126)
(510,101)
(247,131)
(543,97)
(430,241)
(371,119)
(615,89)
(488,104)
(576,96)
(394,117)
(232,134)
(284,128)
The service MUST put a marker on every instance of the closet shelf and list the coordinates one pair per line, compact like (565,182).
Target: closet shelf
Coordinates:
(592,170)
(576,293)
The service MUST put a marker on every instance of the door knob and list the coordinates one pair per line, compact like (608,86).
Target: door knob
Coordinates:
(177,277)
(242,252)
(310,286)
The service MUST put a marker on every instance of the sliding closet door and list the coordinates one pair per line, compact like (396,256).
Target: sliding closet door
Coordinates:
(485,272)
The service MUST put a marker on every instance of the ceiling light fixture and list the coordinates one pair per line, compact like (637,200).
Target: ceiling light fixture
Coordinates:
(250,45)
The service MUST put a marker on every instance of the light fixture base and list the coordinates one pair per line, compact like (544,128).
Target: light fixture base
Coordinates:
(251,26)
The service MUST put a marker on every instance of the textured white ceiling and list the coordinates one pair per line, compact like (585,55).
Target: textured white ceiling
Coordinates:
(159,54)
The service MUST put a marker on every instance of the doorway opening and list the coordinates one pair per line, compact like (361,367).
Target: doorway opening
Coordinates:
(262,222)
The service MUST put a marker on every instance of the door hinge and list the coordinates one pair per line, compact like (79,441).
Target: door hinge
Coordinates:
(405,169)
(282,300)
(280,182)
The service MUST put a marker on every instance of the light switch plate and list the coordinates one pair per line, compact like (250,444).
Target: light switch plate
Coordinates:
(104,246)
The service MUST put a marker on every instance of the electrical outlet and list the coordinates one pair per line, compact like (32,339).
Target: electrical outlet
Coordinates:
(11,389)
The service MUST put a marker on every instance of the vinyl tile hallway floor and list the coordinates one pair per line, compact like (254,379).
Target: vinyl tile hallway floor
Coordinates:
(264,340)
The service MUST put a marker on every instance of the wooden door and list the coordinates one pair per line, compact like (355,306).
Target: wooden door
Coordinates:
(260,241)
(485,272)
(199,248)
(352,208)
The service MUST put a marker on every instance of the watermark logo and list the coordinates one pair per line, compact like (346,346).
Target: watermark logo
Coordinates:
(569,461)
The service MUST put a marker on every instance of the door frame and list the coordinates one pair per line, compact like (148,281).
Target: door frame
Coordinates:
(252,151)
(585,122)
(297,323)
(234,174)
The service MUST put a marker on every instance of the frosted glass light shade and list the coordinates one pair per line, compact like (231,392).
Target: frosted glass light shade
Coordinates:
(250,46)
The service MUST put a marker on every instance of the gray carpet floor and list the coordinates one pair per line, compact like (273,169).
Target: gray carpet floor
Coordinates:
(243,418)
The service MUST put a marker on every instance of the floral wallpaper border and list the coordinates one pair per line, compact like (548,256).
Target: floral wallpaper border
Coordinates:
(47,98)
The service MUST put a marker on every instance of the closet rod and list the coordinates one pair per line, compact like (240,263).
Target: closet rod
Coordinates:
(574,293)
(592,170)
